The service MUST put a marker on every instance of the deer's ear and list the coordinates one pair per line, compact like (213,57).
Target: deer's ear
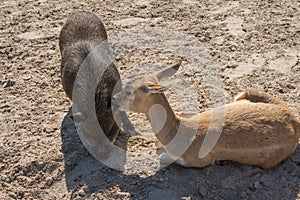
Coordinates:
(154,88)
(169,71)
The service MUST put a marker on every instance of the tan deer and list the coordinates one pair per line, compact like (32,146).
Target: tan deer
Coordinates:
(258,129)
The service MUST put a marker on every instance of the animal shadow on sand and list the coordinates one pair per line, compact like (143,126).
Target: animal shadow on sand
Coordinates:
(87,177)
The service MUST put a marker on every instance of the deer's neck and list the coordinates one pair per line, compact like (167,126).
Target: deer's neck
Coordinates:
(163,120)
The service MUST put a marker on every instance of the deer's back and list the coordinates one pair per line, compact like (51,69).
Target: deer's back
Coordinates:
(254,124)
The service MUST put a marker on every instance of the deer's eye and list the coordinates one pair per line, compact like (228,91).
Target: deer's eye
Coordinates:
(146,89)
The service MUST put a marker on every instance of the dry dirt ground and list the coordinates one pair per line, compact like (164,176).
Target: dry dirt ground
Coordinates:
(251,43)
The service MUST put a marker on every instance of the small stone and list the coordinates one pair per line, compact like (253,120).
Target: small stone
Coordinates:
(244,194)
(4,106)
(49,181)
(68,163)
(81,192)
(257,185)
(186,198)
(8,83)
(228,183)
(12,195)
(20,68)
(203,191)
(27,77)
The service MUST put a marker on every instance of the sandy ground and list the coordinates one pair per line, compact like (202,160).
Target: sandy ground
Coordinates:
(251,44)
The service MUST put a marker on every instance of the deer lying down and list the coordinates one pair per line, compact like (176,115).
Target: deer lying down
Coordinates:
(258,128)
(82,33)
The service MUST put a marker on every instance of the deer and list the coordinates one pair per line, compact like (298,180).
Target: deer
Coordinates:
(82,33)
(258,129)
